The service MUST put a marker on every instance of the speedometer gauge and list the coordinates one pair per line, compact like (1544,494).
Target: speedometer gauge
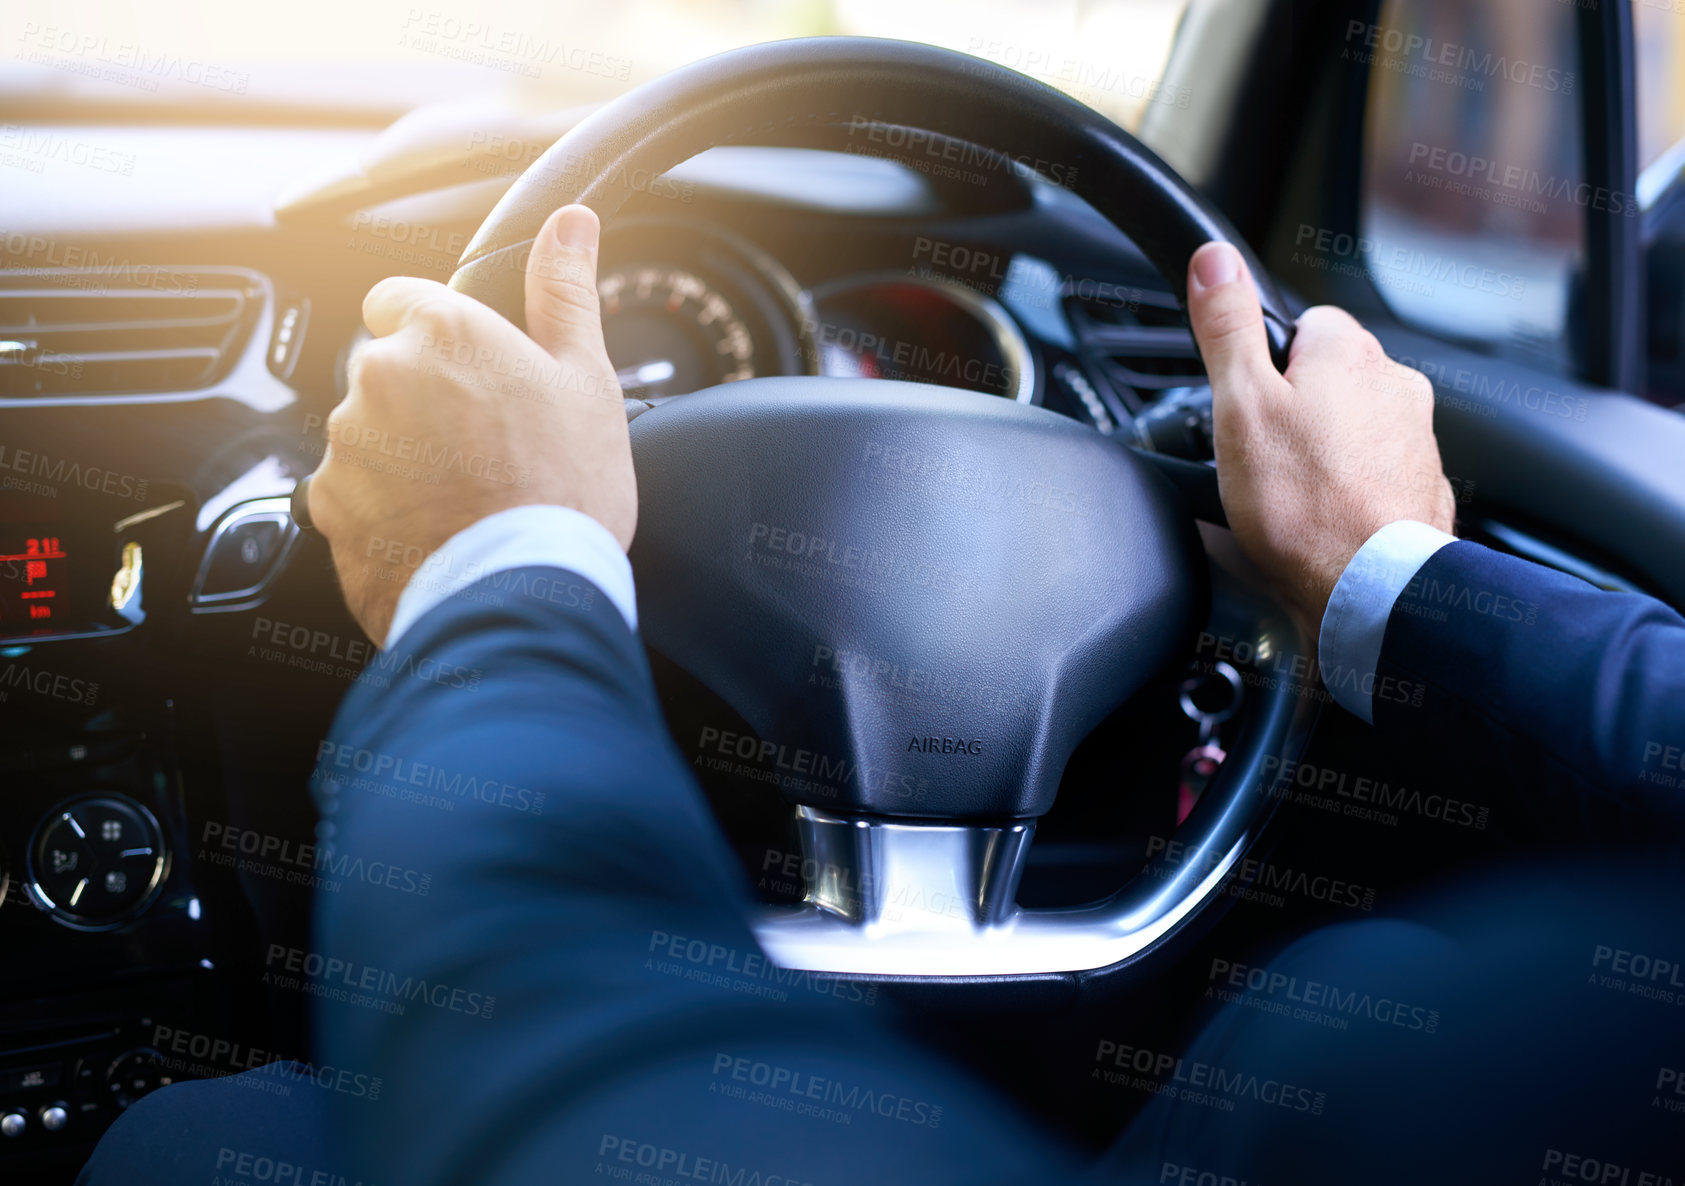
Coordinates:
(688,305)
(668,332)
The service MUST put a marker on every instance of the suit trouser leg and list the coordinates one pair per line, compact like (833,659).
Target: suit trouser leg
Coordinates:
(265,1125)
(1524,1028)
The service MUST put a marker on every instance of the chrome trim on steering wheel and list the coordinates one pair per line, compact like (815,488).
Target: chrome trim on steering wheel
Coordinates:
(893,877)
(1019,942)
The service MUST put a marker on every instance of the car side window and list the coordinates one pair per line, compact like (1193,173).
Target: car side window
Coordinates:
(1473,217)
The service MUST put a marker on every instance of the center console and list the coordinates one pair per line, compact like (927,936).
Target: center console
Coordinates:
(125,946)
(104,930)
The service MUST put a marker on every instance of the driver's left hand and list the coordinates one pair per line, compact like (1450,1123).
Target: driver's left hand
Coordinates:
(455,414)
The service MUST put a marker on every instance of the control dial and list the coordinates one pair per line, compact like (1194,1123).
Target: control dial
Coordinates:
(135,1074)
(96,861)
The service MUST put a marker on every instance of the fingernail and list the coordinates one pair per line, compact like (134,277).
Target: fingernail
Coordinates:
(576,227)
(1216,264)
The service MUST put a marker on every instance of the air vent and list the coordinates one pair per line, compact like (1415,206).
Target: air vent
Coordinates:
(88,332)
(1142,347)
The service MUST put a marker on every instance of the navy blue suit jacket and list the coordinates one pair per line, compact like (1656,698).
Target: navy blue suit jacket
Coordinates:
(1567,700)
(576,996)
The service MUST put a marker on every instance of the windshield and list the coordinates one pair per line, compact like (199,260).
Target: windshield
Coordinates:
(373,61)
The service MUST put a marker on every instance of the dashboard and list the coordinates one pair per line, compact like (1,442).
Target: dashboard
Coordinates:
(172,649)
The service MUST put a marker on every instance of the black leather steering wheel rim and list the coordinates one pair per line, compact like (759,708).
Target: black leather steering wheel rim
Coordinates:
(805,90)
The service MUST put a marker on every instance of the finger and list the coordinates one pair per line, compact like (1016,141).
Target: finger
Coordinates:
(1411,384)
(391,304)
(378,371)
(1325,329)
(316,505)
(1329,332)
(1227,321)
(562,310)
(321,496)
(354,364)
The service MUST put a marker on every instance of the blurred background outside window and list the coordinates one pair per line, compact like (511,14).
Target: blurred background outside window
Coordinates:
(1659,30)
(1474,195)
(384,58)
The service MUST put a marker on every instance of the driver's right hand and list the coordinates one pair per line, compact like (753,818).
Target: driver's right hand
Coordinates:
(1310,464)
(454,414)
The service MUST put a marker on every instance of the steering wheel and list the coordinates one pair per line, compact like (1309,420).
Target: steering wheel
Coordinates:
(922,599)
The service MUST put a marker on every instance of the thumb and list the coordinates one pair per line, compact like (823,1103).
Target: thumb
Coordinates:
(1228,322)
(561,285)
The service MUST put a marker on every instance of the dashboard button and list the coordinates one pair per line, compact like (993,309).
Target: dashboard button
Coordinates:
(30,1078)
(96,861)
(54,1117)
(246,550)
(135,1074)
(84,749)
(288,339)
(12,1124)
(242,557)
(63,859)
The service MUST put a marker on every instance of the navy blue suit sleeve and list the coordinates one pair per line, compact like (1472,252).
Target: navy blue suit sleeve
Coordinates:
(1569,696)
(553,978)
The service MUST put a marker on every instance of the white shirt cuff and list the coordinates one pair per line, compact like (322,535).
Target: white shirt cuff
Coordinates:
(1355,623)
(520,537)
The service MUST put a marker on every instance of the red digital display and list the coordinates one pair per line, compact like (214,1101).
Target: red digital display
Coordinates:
(32,583)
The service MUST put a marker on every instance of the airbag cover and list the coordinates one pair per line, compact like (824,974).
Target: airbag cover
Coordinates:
(920,598)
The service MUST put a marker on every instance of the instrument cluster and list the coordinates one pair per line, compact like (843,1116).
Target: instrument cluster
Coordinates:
(690,306)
